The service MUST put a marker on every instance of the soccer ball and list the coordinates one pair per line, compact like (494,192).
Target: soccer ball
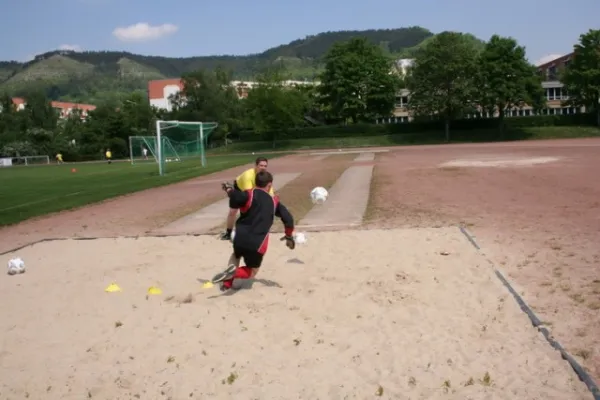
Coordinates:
(299,238)
(16,266)
(319,195)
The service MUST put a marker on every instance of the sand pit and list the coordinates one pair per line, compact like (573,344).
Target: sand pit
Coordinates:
(347,315)
(499,162)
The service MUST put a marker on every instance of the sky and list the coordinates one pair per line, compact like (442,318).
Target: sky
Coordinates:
(183,28)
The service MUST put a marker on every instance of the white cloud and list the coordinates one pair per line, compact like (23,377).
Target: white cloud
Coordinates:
(72,47)
(548,58)
(142,32)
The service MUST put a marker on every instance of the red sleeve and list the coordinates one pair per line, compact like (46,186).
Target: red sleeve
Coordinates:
(248,204)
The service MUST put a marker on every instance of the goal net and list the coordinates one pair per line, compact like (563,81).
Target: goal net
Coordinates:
(31,160)
(175,141)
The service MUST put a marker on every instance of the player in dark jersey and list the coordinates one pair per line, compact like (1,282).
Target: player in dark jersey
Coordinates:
(258,210)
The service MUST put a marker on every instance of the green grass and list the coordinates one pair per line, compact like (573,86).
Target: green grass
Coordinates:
(528,133)
(38,190)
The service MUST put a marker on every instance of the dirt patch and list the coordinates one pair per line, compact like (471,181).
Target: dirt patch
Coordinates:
(137,213)
(539,223)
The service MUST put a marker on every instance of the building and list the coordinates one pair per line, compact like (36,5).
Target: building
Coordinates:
(554,89)
(556,94)
(64,109)
(160,91)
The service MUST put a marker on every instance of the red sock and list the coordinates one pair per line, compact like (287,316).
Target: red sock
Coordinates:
(240,273)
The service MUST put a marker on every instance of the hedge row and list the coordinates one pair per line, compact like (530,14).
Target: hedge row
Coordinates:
(414,128)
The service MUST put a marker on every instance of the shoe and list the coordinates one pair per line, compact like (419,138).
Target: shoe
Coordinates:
(226,236)
(227,274)
(224,288)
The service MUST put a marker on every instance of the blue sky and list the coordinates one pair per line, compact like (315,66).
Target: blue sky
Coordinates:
(199,27)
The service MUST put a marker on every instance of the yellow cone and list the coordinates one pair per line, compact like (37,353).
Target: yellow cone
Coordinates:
(113,287)
(208,285)
(154,290)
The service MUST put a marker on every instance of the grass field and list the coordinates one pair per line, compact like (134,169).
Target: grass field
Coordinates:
(37,190)
(526,133)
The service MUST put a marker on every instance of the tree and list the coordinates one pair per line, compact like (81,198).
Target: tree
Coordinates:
(273,106)
(209,97)
(357,83)
(442,79)
(506,79)
(582,76)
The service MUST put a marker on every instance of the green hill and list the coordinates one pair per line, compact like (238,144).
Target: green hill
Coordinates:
(95,77)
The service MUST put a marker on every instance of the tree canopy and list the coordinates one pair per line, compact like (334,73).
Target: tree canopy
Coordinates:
(451,78)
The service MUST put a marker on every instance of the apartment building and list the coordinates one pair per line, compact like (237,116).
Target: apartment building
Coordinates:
(555,92)
(64,109)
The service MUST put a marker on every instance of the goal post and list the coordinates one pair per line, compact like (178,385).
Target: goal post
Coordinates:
(181,140)
(142,149)
(31,160)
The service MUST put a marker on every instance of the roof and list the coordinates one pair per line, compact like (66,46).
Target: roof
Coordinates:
(156,88)
(558,60)
(65,105)
(59,104)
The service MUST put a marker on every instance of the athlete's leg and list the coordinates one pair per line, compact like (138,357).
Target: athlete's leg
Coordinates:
(253,261)
(232,265)
(230,218)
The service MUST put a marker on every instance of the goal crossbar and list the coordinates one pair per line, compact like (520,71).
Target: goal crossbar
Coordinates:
(203,129)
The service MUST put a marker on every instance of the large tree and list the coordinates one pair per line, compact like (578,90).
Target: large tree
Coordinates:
(506,79)
(208,96)
(274,106)
(357,83)
(582,76)
(442,79)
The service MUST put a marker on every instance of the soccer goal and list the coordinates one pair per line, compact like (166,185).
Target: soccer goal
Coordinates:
(175,141)
(31,160)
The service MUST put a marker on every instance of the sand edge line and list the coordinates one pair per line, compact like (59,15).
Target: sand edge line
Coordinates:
(537,323)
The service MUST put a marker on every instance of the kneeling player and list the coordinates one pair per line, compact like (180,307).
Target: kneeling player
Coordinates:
(257,210)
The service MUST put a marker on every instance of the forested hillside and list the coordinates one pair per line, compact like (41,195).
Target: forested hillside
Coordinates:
(99,77)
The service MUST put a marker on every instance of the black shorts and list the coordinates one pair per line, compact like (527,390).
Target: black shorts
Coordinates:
(252,258)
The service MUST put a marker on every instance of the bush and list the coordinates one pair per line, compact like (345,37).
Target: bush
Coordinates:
(416,128)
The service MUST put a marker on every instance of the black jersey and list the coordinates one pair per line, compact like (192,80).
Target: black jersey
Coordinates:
(258,210)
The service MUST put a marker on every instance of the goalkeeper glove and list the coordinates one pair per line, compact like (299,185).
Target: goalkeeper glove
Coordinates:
(290,242)
(226,186)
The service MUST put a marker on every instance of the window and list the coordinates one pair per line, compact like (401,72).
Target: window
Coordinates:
(552,73)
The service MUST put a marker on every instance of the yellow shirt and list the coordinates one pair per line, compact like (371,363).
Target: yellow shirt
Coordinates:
(108,154)
(247,180)
(59,157)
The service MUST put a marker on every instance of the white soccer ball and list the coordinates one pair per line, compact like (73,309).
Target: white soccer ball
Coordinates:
(299,238)
(16,266)
(319,195)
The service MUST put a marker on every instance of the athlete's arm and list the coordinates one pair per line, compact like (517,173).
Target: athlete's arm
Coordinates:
(237,199)
(286,217)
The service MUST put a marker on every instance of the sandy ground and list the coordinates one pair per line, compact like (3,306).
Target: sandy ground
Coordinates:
(534,208)
(348,315)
